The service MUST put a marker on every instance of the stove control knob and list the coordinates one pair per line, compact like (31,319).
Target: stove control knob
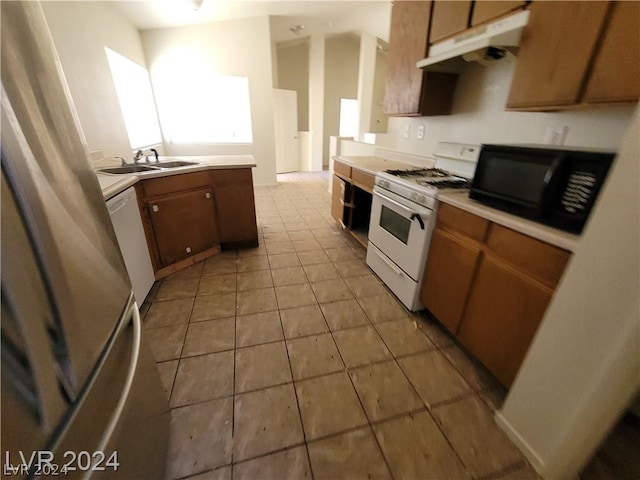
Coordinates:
(414,196)
(383,183)
(421,198)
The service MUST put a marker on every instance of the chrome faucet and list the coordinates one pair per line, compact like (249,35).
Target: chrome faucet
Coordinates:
(155,154)
(138,156)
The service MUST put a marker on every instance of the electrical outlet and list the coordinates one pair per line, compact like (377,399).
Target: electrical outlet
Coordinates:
(406,133)
(420,132)
(556,134)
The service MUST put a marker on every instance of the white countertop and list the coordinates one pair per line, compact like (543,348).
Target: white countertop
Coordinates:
(373,165)
(559,238)
(113,184)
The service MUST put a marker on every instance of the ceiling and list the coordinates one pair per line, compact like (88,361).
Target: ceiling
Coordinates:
(318,17)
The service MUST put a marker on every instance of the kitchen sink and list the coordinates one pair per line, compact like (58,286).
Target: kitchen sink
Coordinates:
(127,169)
(174,164)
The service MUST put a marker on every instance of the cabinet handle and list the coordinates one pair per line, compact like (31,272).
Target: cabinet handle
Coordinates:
(155,208)
(208,195)
(188,249)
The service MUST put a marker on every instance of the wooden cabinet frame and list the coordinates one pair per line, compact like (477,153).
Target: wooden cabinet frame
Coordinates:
(351,200)
(228,221)
(490,286)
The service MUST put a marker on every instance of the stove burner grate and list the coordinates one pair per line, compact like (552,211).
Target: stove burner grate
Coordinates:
(448,183)
(419,172)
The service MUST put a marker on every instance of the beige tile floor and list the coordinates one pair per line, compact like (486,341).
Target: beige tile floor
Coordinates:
(292,360)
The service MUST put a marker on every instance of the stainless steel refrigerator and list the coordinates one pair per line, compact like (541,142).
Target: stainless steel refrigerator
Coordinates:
(78,380)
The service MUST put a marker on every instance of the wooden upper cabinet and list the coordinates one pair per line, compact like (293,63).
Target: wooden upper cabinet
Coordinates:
(485,10)
(407,45)
(555,53)
(409,90)
(449,18)
(616,71)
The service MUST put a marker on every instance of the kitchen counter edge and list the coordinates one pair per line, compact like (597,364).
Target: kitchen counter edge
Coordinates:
(372,165)
(559,238)
(122,182)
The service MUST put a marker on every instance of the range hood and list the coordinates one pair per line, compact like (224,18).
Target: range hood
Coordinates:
(476,43)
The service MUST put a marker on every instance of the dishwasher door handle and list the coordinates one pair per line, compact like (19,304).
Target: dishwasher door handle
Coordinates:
(119,205)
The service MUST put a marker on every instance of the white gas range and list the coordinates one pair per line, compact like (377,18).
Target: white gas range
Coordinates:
(403,214)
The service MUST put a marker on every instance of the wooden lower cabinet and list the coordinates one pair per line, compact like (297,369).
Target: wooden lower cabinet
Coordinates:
(184,224)
(448,276)
(490,286)
(338,200)
(188,217)
(235,207)
(502,315)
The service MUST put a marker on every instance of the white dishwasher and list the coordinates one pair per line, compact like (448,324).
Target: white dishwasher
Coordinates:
(125,217)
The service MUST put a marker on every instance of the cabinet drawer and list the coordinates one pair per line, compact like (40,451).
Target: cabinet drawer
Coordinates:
(175,183)
(364,179)
(464,223)
(234,176)
(342,169)
(538,259)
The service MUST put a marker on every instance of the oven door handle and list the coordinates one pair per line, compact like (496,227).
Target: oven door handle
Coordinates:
(419,218)
(413,215)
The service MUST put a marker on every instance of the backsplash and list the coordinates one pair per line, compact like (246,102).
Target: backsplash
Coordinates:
(479,117)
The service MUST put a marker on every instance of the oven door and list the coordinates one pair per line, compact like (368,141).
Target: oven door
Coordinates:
(401,230)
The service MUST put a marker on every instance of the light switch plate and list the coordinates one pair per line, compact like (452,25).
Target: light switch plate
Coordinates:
(420,132)
(556,134)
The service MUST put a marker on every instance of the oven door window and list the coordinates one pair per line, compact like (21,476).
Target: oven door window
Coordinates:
(395,224)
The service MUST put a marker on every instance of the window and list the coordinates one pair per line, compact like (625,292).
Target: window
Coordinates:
(348,117)
(136,100)
(197,104)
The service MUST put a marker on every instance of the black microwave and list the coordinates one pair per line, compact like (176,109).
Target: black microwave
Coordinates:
(555,186)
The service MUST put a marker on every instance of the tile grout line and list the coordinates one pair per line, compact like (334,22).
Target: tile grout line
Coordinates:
(233,388)
(295,391)
(357,395)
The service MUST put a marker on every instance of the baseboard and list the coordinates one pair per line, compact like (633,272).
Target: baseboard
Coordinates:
(536,462)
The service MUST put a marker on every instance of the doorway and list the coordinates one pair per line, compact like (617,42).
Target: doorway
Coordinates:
(285,108)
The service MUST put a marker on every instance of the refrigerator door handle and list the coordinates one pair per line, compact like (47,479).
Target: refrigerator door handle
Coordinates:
(133,366)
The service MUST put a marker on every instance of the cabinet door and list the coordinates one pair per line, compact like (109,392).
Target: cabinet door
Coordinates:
(616,72)
(485,10)
(555,53)
(503,313)
(340,197)
(183,224)
(449,18)
(236,214)
(407,45)
(450,268)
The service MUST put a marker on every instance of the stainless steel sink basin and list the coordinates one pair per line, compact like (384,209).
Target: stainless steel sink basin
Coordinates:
(174,164)
(127,169)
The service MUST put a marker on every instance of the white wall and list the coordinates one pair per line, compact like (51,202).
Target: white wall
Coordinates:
(379,120)
(341,81)
(293,74)
(479,117)
(80,32)
(366,80)
(583,366)
(235,47)
(316,100)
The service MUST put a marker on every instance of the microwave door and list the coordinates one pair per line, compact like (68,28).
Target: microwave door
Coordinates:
(45,161)
(552,180)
